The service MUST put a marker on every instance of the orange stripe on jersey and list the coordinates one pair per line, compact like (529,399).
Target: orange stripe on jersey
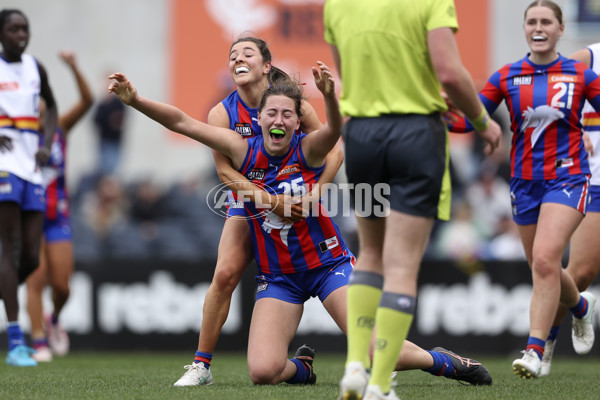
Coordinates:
(591,121)
(20,123)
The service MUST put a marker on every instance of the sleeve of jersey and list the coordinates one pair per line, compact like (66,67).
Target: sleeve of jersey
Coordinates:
(442,15)
(490,96)
(592,89)
(328,34)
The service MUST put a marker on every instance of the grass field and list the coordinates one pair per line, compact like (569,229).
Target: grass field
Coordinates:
(150,376)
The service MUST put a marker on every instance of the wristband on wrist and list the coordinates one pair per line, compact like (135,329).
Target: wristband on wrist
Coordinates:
(482,121)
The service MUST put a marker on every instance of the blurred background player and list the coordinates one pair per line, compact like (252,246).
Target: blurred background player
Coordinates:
(109,120)
(22,204)
(56,255)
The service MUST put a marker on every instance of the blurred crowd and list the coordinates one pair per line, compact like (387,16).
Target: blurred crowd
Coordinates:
(144,220)
(481,227)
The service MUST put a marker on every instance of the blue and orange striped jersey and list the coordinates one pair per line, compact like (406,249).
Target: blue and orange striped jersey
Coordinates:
(311,243)
(242,119)
(53,176)
(545,103)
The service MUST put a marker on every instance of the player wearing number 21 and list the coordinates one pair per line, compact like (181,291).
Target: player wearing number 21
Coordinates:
(545,93)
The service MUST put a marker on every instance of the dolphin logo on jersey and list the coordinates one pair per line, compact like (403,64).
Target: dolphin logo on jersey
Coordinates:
(539,119)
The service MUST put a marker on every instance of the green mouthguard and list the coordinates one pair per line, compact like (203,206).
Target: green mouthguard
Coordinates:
(277,131)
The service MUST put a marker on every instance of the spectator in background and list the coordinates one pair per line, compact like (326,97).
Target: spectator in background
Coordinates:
(109,118)
(488,198)
(147,206)
(459,238)
(506,245)
(105,208)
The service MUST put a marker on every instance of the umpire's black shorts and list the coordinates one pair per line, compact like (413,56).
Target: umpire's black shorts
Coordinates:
(400,162)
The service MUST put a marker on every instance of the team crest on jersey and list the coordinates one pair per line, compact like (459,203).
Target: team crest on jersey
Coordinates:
(257,174)
(244,129)
(329,244)
(288,170)
(561,78)
(522,80)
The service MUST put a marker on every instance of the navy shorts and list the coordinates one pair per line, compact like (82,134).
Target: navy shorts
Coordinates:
(299,287)
(29,196)
(58,230)
(527,196)
(407,154)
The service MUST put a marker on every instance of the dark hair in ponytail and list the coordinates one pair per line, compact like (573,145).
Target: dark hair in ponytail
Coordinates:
(275,74)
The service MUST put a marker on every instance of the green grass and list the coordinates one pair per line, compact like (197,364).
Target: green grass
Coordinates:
(150,376)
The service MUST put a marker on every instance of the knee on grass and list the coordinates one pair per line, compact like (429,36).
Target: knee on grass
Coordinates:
(266,374)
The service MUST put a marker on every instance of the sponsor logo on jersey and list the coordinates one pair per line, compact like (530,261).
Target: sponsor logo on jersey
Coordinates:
(5,188)
(262,283)
(244,129)
(561,78)
(257,174)
(262,287)
(236,204)
(522,80)
(288,170)
(9,85)
(329,244)
(564,162)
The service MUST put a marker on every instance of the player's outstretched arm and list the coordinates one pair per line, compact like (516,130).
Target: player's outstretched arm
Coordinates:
(318,144)
(223,140)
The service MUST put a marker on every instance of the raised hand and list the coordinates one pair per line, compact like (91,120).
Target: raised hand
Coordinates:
(324,79)
(122,87)
(68,58)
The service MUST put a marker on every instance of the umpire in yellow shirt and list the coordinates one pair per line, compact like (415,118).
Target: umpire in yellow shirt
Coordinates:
(395,57)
